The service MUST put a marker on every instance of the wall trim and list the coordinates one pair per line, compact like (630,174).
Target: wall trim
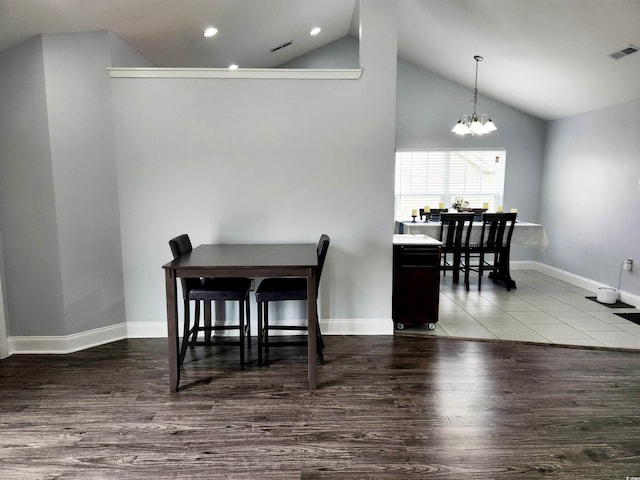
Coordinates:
(68,343)
(524,265)
(149,329)
(335,326)
(357,326)
(247,73)
(584,282)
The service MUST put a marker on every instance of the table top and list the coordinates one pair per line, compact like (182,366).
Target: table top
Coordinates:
(281,255)
(416,239)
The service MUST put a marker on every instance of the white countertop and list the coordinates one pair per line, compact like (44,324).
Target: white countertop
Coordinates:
(416,239)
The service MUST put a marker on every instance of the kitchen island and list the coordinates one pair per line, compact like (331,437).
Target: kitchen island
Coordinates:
(416,280)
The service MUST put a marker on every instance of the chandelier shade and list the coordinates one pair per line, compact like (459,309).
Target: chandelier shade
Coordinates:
(474,124)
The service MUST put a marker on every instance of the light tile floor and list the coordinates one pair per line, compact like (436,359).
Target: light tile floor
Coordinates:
(542,309)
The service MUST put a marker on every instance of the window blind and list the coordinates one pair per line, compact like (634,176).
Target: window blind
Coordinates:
(428,177)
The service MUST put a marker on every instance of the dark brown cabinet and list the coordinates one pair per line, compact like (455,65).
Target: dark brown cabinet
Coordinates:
(416,284)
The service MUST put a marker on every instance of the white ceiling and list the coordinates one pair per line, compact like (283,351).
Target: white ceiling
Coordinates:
(545,57)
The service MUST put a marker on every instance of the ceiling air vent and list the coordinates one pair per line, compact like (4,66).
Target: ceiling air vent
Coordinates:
(280,47)
(624,52)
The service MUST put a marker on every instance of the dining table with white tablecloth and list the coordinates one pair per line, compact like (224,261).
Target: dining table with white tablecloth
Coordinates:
(525,234)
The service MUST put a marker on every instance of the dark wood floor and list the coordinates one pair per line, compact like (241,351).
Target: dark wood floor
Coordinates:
(387,407)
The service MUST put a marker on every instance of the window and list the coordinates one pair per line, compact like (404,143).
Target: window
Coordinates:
(428,177)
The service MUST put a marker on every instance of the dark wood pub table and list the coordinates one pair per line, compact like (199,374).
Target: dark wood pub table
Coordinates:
(242,260)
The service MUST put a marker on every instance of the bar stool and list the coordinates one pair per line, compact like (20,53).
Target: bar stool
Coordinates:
(211,290)
(283,289)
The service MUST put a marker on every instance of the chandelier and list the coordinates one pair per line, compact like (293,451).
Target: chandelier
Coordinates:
(474,124)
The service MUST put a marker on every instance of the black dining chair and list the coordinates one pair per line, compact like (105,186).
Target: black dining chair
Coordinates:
(283,289)
(211,290)
(455,231)
(436,212)
(493,252)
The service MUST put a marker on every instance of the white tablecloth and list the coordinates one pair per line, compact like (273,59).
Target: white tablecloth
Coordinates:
(524,233)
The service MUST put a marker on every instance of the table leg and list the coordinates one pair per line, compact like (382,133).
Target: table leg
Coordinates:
(456,267)
(260,338)
(207,321)
(172,329)
(503,272)
(506,270)
(312,321)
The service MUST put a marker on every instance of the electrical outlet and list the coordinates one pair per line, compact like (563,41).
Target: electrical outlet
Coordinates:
(628,264)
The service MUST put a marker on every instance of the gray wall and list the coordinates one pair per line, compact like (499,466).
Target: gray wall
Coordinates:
(591,194)
(32,273)
(122,55)
(59,201)
(4,344)
(261,160)
(84,178)
(343,53)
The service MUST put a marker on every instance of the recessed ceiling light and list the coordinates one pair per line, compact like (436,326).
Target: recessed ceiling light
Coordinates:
(315,31)
(210,32)
(233,66)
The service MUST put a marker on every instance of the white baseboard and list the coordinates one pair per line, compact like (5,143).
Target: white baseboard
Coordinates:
(100,336)
(336,326)
(147,329)
(584,282)
(359,326)
(523,265)
(68,343)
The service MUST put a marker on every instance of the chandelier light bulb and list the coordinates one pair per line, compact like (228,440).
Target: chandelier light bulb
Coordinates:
(461,128)
(489,126)
(476,126)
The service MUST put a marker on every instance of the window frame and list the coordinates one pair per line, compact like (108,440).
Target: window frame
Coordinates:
(416,191)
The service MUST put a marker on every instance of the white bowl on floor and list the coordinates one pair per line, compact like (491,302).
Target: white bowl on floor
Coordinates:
(607,295)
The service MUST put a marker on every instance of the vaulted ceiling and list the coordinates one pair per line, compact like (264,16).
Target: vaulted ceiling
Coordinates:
(550,58)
